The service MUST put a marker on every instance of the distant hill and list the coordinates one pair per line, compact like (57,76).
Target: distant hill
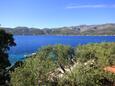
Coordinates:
(103,29)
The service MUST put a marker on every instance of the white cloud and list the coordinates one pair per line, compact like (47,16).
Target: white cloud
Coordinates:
(91,6)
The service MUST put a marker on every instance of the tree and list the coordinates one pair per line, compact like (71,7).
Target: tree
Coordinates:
(41,68)
(64,54)
(6,41)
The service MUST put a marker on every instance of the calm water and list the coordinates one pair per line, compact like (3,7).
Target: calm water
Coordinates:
(30,44)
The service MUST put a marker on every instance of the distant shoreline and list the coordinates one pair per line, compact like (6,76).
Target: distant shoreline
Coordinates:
(81,30)
(64,35)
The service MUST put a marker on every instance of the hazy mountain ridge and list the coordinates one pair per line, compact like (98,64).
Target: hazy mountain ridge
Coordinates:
(103,29)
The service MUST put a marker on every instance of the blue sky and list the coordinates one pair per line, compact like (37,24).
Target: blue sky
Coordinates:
(55,13)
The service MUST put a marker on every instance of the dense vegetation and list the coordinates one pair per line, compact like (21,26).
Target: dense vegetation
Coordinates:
(103,29)
(6,41)
(92,59)
(61,65)
(58,65)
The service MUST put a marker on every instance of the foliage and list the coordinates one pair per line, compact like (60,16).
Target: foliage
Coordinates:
(92,59)
(36,69)
(87,76)
(6,41)
(64,55)
(33,71)
(60,54)
(89,71)
(103,54)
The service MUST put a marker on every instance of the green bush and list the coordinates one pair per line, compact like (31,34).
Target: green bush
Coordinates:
(89,71)
(87,76)
(92,59)
(36,69)
(103,53)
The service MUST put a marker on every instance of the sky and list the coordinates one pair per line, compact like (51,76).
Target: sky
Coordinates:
(56,13)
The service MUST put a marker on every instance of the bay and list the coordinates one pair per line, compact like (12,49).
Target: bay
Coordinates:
(29,44)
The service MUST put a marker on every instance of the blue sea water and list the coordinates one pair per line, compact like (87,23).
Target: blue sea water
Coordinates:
(30,44)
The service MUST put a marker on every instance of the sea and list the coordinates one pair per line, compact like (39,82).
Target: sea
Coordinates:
(26,45)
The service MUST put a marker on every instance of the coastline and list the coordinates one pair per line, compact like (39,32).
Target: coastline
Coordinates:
(64,35)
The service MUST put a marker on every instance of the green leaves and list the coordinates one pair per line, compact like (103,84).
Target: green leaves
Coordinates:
(88,71)
(6,41)
(33,72)
(92,59)
(38,68)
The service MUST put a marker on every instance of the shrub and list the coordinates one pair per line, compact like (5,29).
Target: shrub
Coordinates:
(35,70)
(92,59)
(89,71)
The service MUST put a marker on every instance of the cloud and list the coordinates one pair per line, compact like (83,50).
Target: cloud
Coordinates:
(91,6)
